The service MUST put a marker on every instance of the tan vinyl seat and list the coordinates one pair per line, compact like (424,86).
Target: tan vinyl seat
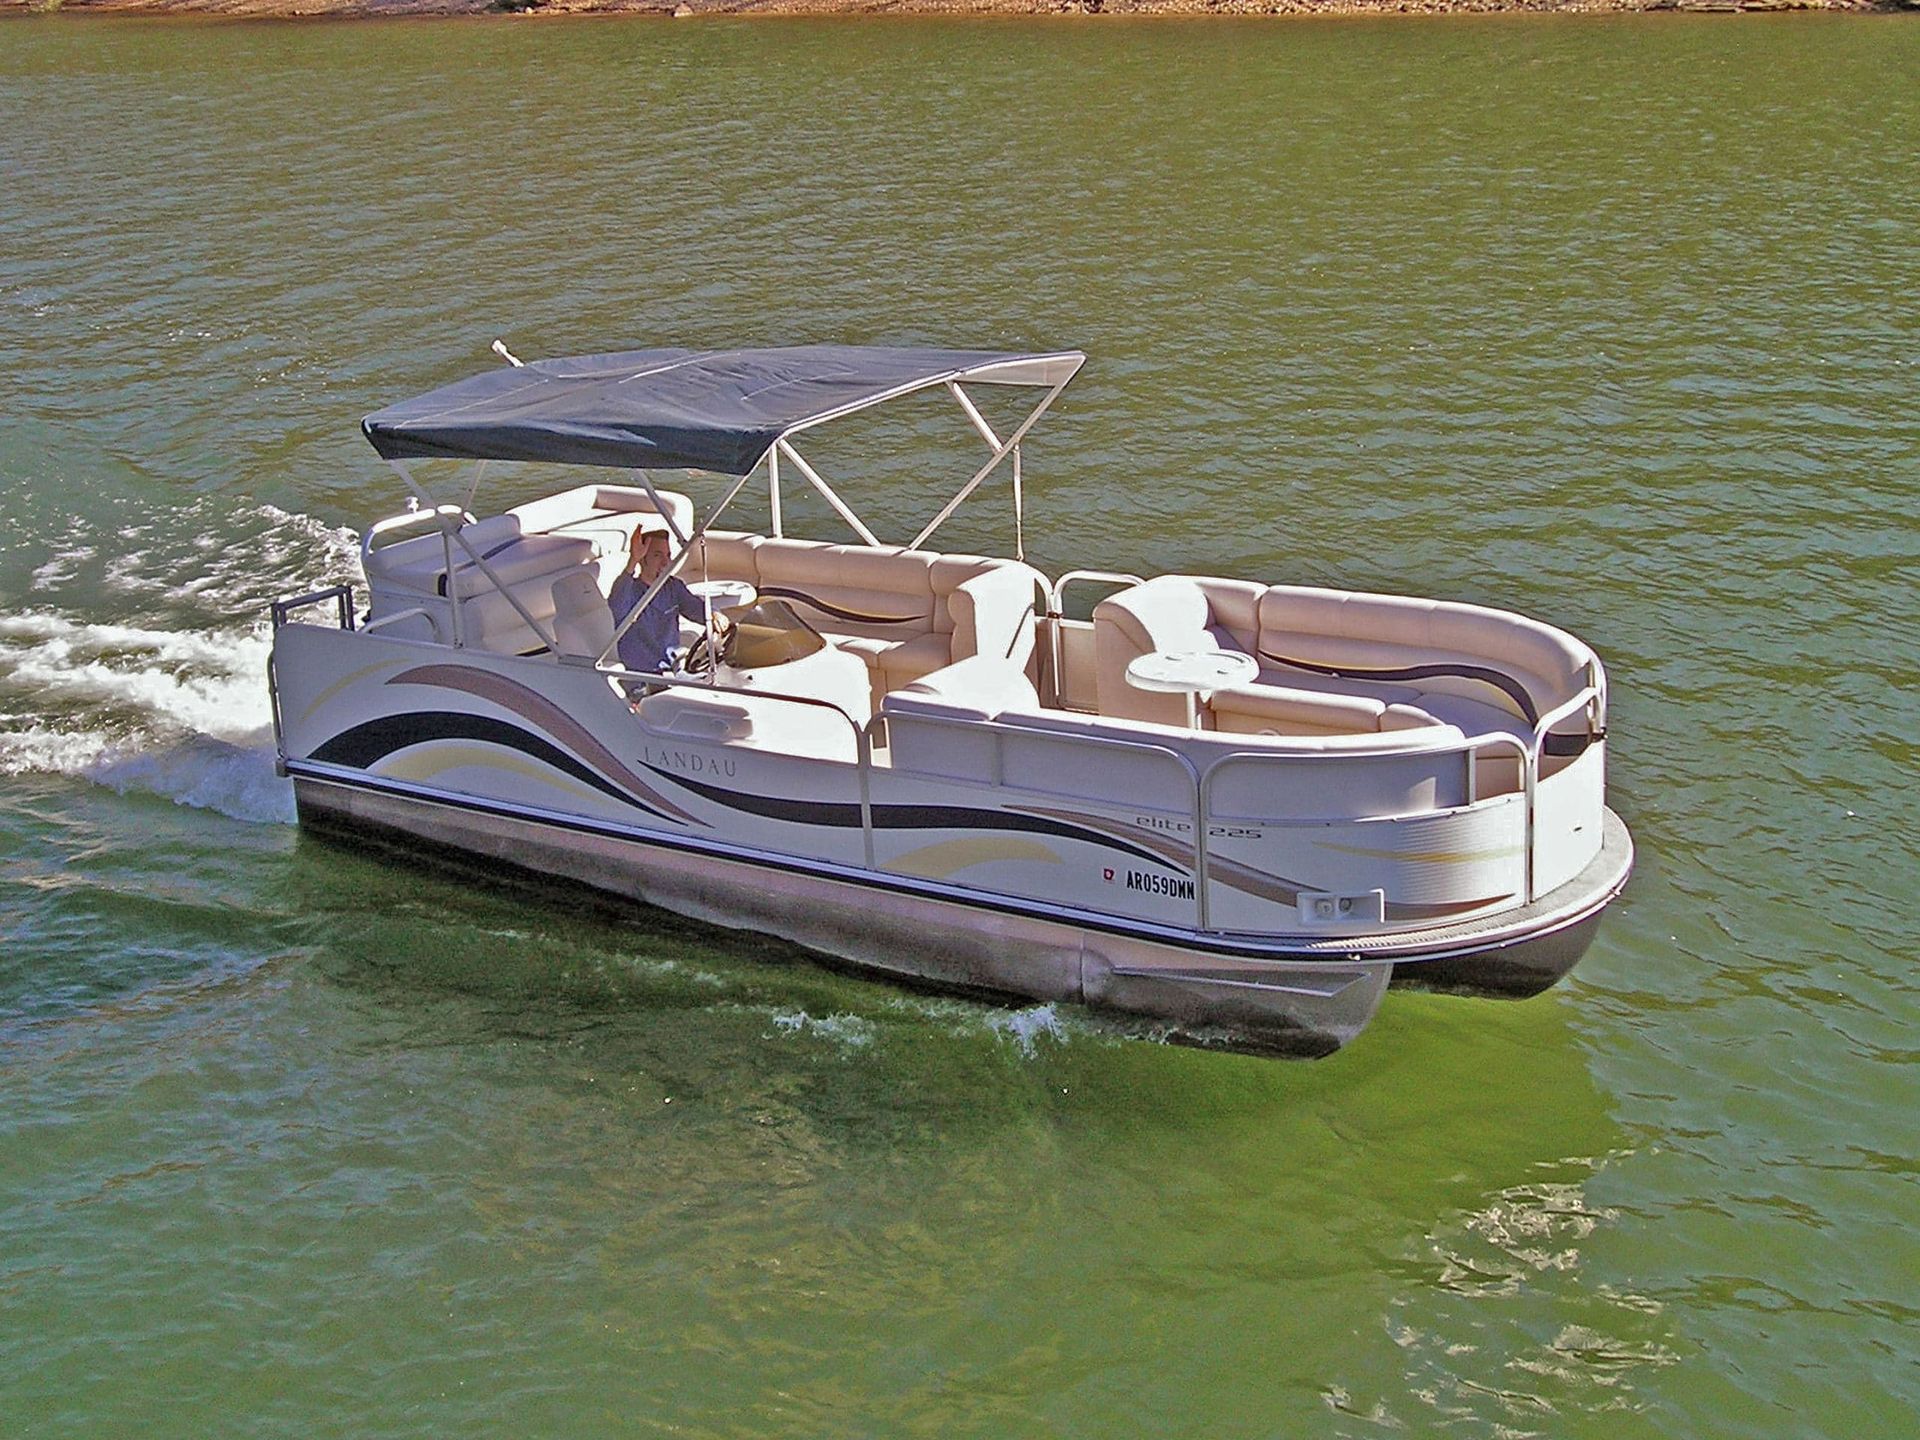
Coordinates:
(582,622)
(528,550)
(905,613)
(980,687)
(1339,662)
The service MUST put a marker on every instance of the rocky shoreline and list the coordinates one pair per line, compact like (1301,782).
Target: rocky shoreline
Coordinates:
(391,9)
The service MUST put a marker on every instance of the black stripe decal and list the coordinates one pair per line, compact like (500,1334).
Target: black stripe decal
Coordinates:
(1498,679)
(900,817)
(1199,942)
(1552,744)
(1196,941)
(366,744)
(783,593)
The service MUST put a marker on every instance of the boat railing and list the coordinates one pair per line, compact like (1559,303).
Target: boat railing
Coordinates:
(341,595)
(1056,611)
(1473,747)
(1201,781)
(862,734)
(282,612)
(452,521)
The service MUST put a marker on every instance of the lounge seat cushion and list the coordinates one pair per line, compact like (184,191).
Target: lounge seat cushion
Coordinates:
(1402,662)
(525,557)
(582,622)
(1284,710)
(1294,712)
(892,663)
(977,688)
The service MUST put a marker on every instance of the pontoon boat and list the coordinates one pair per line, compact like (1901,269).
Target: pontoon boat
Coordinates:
(1234,809)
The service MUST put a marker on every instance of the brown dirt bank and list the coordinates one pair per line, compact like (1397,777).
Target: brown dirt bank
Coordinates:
(365,9)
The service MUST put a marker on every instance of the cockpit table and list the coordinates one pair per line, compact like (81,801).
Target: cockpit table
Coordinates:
(1191,673)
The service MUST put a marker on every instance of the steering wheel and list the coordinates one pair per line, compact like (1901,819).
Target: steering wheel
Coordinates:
(700,656)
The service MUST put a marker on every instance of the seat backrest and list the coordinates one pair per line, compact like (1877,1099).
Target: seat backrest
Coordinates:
(582,621)
(880,593)
(991,611)
(585,504)
(725,555)
(1170,612)
(1499,655)
(977,688)
(418,564)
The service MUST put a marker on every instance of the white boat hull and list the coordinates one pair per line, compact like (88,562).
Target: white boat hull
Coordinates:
(1230,997)
(1271,1006)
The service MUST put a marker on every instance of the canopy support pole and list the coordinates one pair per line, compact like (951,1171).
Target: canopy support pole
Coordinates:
(659,505)
(506,591)
(813,479)
(773,491)
(422,497)
(1019,509)
(1000,452)
(450,535)
(965,402)
(479,474)
(699,536)
(419,490)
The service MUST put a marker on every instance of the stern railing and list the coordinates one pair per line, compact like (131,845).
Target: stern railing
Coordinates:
(1201,779)
(341,595)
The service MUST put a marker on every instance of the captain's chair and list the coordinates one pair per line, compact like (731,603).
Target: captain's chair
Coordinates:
(582,621)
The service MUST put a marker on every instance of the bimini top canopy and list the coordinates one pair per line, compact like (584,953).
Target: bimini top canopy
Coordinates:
(717,410)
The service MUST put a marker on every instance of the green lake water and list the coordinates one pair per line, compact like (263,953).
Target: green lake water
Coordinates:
(1610,321)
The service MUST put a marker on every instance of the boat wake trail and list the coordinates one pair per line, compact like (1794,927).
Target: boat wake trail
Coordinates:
(168,706)
(178,714)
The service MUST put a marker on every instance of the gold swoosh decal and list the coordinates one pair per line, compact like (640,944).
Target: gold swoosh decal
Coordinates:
(345,680)
(1426,857)
(425,762)
(946,857)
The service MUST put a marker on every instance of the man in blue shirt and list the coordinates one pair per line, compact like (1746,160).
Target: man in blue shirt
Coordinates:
(650,643)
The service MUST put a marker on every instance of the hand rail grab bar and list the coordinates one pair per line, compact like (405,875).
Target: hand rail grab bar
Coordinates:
(1470,746)
(1115,577)
(343,594)
(862,738)
(395,618)
(1056,589)
(1588,697)
(1185,762)
(407,518)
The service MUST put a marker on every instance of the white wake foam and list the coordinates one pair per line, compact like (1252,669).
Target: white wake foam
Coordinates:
(849,1031)
(179,714)
(1026,1027)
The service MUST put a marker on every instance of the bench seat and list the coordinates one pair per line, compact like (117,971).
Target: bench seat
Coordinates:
(1340,662)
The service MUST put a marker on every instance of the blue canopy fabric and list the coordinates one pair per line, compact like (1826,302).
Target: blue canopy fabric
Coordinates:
(716,410)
